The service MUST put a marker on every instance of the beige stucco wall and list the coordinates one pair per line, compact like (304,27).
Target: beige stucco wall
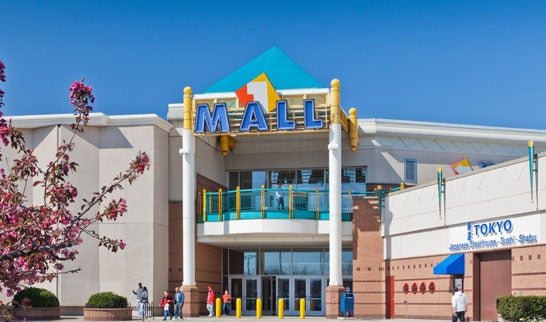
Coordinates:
(104,151)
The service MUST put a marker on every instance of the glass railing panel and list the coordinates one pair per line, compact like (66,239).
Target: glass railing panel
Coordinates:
(306,204)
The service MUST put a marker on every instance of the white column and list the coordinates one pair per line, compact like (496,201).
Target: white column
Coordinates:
(334,166)
(188,208)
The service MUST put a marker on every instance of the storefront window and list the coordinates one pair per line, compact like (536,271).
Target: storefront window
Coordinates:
(346,262)
(303,179)
(276,262)
(307,262)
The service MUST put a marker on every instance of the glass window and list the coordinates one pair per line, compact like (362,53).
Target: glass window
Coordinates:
(360,184)
(282,177)
(250,263)
(347,179)
(235,262)
(347,262)
(410,170)
(233,180)
(245,179)
(276,262)
(307,262)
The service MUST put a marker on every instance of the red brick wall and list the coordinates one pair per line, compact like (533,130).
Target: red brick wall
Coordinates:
(368,266)
(208,264)
(427,305)
(529,270)
(371,272)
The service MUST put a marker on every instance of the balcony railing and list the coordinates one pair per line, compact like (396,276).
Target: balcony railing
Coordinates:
(272,203)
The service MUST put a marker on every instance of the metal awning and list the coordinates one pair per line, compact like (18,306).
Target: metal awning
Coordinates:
(453,264)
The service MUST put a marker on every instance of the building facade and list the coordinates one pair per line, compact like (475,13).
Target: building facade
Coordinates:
(284,195)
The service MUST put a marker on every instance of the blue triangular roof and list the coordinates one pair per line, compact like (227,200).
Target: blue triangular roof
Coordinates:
(281,70)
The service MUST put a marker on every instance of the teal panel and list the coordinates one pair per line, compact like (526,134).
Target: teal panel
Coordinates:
(281,70)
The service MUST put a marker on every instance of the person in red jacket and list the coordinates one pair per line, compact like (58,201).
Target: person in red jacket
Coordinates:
(226,298)
(210,301)
(167,302)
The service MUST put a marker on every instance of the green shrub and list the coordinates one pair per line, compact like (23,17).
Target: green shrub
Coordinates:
(516,308)
(38,297)
(107,300)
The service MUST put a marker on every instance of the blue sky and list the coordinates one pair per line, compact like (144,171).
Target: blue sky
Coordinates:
(468,62)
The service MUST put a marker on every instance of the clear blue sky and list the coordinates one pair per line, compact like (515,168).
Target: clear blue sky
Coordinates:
(468,62)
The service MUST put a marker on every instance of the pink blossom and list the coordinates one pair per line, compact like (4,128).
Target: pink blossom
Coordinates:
(50,232)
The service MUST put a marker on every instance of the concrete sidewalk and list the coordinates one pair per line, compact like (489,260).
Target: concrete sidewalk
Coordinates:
(70,318)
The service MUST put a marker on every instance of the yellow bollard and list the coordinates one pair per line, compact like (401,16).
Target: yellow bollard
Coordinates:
(218,311)
(238,308)
(281,309)
(302,308)
(258,308)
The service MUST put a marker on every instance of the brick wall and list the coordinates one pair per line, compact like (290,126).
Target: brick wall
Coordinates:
(371,273)
(430,304)
(368,266)
(208,263)
(529,270)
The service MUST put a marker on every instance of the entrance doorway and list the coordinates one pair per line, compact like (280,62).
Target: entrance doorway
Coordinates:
(493,267)
(269,295)
(292,289)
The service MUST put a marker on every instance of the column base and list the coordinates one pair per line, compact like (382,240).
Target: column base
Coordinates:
(333,297)
(191,301)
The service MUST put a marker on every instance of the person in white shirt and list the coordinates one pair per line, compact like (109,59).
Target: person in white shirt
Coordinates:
(459,302)
(138,294)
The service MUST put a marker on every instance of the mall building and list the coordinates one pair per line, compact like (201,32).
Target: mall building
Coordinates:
(265,186)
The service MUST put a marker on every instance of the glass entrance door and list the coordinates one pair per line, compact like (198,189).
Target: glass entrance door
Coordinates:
(315,296)
(300,292)
(311,290)
(271,288)
(250,296)
(269,295)
(283,292)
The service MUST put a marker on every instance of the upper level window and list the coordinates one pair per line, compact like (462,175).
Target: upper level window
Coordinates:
(410,170)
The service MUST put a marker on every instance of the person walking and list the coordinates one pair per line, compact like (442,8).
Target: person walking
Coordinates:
(226,306)
(178,302)
(138,293)
(181,298)
(143,302)
(210,301)
(459,302)
(166,303)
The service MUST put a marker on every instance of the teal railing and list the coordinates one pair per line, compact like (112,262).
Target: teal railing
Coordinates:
(272,204)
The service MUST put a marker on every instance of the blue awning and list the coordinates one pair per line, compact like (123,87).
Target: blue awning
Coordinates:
(453,264)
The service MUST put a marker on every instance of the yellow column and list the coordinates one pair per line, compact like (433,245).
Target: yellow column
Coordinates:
(238,202)
(302,308)
(335,109)
(258,308)
(187,107)
(353,129)
(262,201)
(220,205)
(204,205)
(238,308)
(218,307)
(281,308)
(317,204)
(291,202)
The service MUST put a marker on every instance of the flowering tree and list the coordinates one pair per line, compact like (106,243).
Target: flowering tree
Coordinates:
(35,239)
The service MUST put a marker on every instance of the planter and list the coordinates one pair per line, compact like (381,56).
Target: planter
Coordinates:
(106,314)
(38,313)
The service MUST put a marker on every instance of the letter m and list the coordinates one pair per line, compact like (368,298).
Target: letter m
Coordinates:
(204,118)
